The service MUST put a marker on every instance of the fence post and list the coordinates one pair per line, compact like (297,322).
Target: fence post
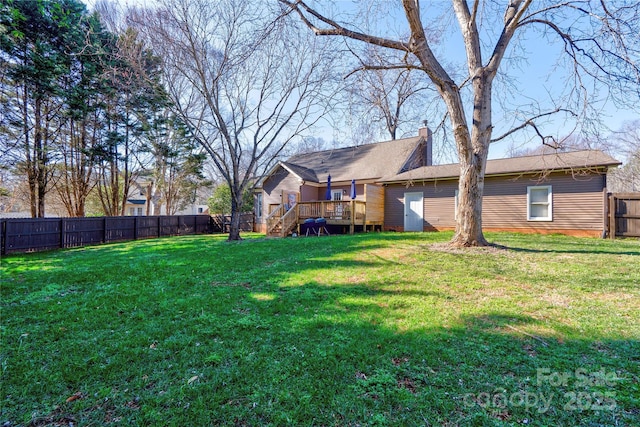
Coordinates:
(63,232)
(104,230)
(159,225)
(135,227)
(3,238)
(612,216)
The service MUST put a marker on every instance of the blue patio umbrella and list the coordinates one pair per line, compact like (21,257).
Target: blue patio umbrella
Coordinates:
(328,195)
(353,189)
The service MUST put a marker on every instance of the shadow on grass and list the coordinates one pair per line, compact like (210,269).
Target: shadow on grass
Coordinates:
(275,333)
(594,251)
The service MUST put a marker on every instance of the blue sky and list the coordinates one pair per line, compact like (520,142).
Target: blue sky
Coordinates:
(536,77)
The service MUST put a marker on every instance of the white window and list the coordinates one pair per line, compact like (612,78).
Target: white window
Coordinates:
(140,212)
(336,195)
(539,203)
(259,205)
(455,207)
(132,211)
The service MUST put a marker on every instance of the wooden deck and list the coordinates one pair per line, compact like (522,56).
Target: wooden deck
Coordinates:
(347,213)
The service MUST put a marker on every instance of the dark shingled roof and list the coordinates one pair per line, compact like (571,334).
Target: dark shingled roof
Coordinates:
(363,162)
(573,160)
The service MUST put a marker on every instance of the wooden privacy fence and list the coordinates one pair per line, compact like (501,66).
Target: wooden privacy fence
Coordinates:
(220,223)
(624,215)
(38,234)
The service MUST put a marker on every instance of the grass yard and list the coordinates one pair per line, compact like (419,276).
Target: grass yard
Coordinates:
(371,329)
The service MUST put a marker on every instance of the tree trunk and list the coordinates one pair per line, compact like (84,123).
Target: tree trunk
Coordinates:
(39,159)
(473,151)
(470,190)
(236,207)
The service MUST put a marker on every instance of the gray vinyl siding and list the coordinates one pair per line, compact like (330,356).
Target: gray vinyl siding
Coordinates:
(280,180)
(577,202)
(438,203)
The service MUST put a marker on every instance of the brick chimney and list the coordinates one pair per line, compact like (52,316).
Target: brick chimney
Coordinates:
(426,133)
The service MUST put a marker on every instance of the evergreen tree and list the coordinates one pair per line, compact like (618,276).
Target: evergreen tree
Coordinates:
(34,59)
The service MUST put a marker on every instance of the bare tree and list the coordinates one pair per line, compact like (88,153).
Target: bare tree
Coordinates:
(389,96)
(627,141)
(176,171)
(599,40)
(245,83)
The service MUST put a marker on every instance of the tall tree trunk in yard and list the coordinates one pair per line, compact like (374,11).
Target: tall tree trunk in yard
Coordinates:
(236,207)
(473,151)
(39,158)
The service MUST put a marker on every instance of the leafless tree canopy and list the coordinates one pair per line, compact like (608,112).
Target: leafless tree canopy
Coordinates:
(244,82)
(393,99)
(627,143)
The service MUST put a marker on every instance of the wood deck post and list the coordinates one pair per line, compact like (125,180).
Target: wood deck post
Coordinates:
(364,218)
(352,227)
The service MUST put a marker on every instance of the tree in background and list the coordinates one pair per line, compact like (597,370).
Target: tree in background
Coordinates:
(132,76)
(34,45)
(84,88)
(244,82)
(220,201)
(177,166)
(627,141)
(394,98)
(600,48)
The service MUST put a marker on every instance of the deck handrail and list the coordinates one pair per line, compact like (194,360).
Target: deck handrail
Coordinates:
(289,219)
(273,218)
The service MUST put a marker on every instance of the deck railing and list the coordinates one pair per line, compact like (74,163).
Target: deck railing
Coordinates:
(274,218)
(289,220)
(345,212)
(332,209)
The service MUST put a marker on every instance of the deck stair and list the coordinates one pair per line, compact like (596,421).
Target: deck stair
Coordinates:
(281,222)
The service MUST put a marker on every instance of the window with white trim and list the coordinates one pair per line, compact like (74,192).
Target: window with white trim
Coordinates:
(259,205)
(539,203)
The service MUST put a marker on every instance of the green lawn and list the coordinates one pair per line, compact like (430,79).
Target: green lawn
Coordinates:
(371,329)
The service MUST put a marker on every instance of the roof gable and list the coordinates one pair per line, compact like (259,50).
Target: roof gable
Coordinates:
(362,162)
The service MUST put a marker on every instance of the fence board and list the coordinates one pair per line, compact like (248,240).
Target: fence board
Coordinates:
(624,215)
(221,222)
(37,234)
(82,231)
(23,234)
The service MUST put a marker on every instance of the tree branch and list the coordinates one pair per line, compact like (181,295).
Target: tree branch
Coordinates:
(337,29)
(531,123)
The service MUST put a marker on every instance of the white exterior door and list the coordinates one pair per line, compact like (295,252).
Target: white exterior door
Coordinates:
(413,211)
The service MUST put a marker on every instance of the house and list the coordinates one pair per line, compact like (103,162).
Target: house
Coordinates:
(551,193)
(319,184)
(398,188)
(142,201)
